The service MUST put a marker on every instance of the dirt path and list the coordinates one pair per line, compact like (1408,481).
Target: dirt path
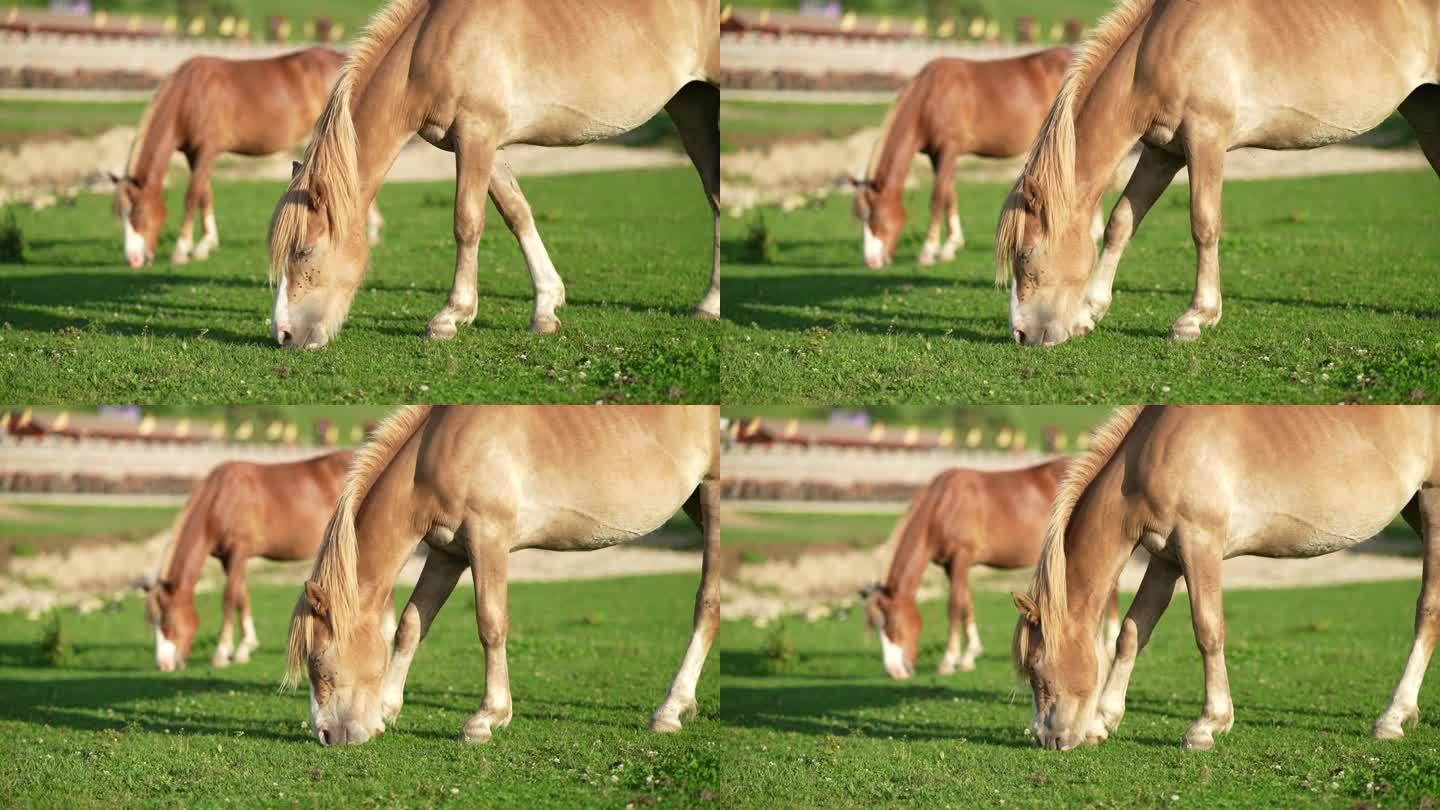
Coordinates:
(791,173)
(71,165)
(816,585)
(88,574)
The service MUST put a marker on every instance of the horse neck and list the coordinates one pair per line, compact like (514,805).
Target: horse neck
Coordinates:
(1098,541)
(158,142)
(901,142)
(192,546)
(912,552)
(1109,120)
(385,113)
(384,532)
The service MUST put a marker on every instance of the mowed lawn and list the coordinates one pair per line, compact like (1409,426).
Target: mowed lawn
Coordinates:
(1310,669)
(1329,288)
(76,325)
(589,662)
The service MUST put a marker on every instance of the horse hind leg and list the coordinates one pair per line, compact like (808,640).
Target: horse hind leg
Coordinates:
(1422,111)
(489,566)
(1205,156)
(474,158)
(703,508)
(1201,556)
(696,113)
(437,580)
(1404,709)
(545,283)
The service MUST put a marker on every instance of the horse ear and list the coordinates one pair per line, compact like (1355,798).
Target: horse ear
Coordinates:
(294,169)
(1030,192)
(1029,611)
(315,595)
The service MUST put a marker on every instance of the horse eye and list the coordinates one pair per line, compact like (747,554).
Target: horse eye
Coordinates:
(301,254)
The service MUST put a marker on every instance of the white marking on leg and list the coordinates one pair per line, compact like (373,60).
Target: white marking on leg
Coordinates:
(544,281)
(209,238)
(894,657)
(874,249)
(1404,708)
(930,251)
(225,649)
(248,640)
(680,700)
(183,249)
(972,647)
(956,240)
(164,651)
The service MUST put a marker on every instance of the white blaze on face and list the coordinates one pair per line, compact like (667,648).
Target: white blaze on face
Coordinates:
(314,713)
(1014,306)
(874,248)
(280,317)
(135,251)
(894,657)
(164,651)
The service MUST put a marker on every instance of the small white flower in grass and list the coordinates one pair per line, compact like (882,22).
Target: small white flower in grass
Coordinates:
(424,388)
(1174,797)
(454,791)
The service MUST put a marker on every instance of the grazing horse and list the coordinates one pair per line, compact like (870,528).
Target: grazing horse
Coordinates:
(960,519)
(952,107)
(471,78)
(208,107)
(241,510)
(1190,81)
(476,483)
(1196,486)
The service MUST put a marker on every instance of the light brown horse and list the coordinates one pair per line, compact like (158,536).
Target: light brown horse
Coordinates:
(1190,81)
(209,107)
(475,483)
(1198,485)
(472,78)
(952,107)
(240,511)
(962,518)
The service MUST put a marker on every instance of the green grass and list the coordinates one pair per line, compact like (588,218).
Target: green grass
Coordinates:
(77,326)
(752,124)
(1310,669)
(53,521)
(21,119)
(800,529)
(108,729)
(1327,282)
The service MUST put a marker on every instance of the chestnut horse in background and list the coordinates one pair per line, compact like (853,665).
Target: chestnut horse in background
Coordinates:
(241,510)
(208,107)
(475,483)
(952,107)
(472,78)
(1197,485)
(960,519)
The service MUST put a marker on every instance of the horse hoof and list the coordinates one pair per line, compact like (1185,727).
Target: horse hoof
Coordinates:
(544,326)
(706,315)
(389,712)
(1197,742)
(1388,731)
(1185,332)
(948,254)
(443,330)
(242,656)
(179,259)
(664,725)
(220,661)
(478,733)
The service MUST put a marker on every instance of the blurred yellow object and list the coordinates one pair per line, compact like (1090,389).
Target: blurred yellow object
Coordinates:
(227,27)
(196,27)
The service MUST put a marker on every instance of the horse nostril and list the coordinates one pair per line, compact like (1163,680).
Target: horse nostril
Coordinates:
(1019,336)
(324,734)
(284,338)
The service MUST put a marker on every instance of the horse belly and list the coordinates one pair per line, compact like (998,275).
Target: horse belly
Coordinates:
(1291,535)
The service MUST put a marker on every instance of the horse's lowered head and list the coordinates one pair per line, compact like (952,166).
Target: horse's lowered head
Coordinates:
(897,623)
(345,665)
(882,219)
(172,615)
(318,257)
(1064,673)
(140,207)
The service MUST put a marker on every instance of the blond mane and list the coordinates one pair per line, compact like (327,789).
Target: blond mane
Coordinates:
(1046,186)
(335,564)
(330,172)
(1048,588)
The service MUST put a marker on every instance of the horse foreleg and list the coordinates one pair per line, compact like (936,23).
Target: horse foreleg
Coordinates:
(1205,156)
(474,156)
(1404,707)
(962,615)
(1152,176)
(703,507)
(249,641)
(1156,590)
(942,203)
(1200,560)
(696,113)
(437,580)
(373,224)
(489,565)
(230,608)
(545,283)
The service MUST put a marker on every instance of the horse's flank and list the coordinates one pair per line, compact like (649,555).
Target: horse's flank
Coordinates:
(335,564)
(1046,185)
(1048,588)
